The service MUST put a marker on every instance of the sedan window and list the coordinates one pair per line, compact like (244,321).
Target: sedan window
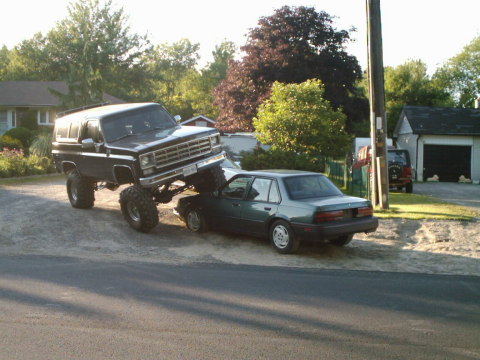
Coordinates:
(259,190)
(236,188)
(310,186)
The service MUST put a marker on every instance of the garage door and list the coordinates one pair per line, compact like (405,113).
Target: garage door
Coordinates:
(448,162)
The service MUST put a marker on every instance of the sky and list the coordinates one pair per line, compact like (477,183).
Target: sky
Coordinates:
(430,30)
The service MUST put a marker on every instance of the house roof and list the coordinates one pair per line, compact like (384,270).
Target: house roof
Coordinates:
(37,93)
(427,120)
(198,117)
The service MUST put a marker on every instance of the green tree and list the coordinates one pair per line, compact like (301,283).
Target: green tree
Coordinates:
(168,66)
(409,84)
(29,60)
(199,85)
(94,51)
(460,76)
(296,117)
(4,61)
(291,46)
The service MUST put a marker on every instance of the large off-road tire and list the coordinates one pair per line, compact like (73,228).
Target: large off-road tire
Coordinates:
(138,208)
(283,238)
(342,240)
(80,190)
(195,220)
(209,180)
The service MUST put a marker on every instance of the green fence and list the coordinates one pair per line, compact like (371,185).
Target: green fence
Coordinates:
(354,181)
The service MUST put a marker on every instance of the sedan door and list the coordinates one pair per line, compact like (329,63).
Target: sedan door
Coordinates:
(226,210)
(260,205)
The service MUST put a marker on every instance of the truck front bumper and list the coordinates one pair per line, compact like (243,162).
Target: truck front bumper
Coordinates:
(183,171)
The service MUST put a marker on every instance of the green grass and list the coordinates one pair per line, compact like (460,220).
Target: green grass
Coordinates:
(415,207)
(30,179)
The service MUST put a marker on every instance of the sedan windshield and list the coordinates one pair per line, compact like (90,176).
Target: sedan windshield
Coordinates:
(310,186)
(136,122)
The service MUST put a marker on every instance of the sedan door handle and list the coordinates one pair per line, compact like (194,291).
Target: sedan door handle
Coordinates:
(267,208)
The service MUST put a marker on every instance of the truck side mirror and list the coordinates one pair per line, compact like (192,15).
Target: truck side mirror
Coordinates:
(88,144)
(177,118)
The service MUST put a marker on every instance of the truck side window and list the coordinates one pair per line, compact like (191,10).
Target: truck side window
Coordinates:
(93,132)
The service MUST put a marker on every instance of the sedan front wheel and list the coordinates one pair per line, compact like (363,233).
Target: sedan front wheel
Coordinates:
(282,237)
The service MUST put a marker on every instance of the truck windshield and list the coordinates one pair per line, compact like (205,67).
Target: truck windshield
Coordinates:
(135,122)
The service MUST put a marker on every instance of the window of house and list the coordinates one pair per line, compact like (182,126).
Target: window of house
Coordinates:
(43,118)
(3,121)
(201,123)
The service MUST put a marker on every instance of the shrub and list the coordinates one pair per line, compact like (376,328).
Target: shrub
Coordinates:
(259,159)
(41,145)
(14,163)
(24,135)
(10,143)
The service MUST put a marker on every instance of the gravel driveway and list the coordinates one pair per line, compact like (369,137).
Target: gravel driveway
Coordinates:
(36,218)
(463,194)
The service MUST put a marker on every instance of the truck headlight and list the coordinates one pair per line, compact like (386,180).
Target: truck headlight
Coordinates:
(147,160)
(215,140)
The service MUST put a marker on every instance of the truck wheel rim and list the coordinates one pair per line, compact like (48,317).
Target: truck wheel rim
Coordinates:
(74,191)
(193,221)
(133,211)
(280,236)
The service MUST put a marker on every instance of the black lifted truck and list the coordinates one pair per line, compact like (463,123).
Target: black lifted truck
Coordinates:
(138,144)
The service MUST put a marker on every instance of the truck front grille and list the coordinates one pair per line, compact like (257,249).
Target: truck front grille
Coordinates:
(182,152)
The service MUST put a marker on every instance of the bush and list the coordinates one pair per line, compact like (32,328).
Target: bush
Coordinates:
(41,145)
(23,134)
(10,143)
(14,163)
(259,159)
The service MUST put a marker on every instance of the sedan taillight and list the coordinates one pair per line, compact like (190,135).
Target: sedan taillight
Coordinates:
(365,211)
(328,216)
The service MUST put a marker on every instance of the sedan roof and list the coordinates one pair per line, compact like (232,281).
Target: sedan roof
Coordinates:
(279,173)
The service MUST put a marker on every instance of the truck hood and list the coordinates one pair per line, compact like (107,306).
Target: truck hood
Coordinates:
(154,139)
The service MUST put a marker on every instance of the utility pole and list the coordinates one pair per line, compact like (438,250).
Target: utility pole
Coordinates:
(378,118)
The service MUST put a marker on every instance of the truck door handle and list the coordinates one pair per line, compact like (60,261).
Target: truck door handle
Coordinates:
(236,204)
(267,208)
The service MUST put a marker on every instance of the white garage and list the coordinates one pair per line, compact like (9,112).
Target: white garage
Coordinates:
(441,141)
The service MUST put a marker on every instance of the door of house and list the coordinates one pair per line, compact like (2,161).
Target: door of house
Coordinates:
(449,162)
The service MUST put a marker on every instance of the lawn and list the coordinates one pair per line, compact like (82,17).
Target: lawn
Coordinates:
(415,207)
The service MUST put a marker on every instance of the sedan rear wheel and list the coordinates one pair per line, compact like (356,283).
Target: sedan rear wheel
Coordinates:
(282,237)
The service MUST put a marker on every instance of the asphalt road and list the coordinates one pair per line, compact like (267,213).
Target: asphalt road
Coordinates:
(462,194)
(67,308)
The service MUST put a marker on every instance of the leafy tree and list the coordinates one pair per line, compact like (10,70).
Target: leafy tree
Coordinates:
(29,60)
(4,60)
(297,118)
(461,75)
(200,85)
(168,66)
(409,84)
(93,51)
(293,45)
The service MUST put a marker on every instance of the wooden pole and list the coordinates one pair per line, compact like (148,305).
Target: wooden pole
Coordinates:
(378,119)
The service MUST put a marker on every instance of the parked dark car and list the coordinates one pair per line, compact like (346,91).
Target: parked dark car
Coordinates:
(399,167)
(400,170)
(286,206)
